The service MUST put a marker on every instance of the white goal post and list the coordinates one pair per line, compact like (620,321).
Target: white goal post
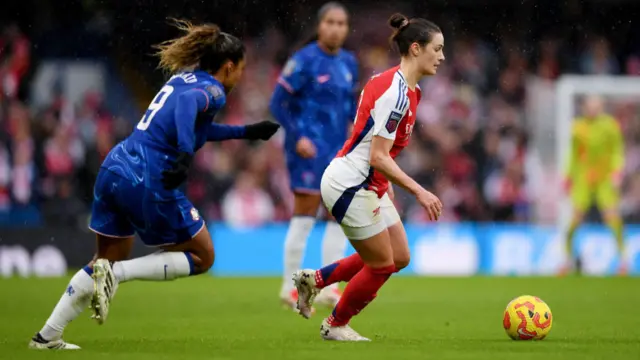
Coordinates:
(568,87)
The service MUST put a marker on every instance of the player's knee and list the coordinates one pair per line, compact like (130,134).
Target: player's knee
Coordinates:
(207,258)
(402,261)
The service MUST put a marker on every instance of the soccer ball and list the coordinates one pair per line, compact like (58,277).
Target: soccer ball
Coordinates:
(527,318)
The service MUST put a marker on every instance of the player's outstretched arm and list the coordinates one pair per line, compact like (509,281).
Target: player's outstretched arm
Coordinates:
(385,164)
(263,130)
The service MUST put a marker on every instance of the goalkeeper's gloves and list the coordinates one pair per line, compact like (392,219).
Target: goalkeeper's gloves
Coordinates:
(172,178)
(263,130)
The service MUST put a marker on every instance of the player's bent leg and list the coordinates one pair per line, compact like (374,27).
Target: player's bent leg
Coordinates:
(198,252)
(304,217)
(397,233)
(377,254)
(78,295)
(400,246)
(308,282)
(74,300)
(111,249)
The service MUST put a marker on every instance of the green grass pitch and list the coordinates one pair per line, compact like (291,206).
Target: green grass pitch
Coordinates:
(412,318)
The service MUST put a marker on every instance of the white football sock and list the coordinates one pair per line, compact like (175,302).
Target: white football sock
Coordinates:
(294,244)
(334,244)
(75,299)
(161,266)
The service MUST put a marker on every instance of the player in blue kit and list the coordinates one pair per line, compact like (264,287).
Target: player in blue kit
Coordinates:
(315,103)
(137,189)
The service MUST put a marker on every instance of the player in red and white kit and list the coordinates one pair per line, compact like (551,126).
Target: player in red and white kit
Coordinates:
(355,187)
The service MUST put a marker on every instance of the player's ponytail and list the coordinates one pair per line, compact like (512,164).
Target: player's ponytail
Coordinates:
(408,31)
(204,46)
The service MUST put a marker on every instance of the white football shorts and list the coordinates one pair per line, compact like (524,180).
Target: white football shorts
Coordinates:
(360,212)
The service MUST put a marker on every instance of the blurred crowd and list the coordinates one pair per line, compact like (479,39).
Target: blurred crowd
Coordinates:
(49,157)
(471,145)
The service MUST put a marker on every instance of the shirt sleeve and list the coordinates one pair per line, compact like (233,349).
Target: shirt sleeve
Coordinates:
(188,105)
(293,76)
(220,132)
(284,104)
(389,110)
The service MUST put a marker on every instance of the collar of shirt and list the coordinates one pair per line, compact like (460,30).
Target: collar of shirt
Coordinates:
(203,75)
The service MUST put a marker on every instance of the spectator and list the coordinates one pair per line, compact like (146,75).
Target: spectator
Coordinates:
(468,145)
(246,204)
(15,52)
(598,59)
(22,174)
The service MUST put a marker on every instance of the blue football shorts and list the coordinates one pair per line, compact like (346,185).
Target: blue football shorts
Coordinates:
(122,208)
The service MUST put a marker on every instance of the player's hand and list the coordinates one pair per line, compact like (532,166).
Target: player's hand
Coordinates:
(306,148)
(263,130)
(430,203)
(175,176)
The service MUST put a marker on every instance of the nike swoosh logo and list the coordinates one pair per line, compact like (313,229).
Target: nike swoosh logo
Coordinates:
(323,78)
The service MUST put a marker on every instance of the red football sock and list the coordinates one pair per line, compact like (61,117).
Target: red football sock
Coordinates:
(360,291)
(341,270)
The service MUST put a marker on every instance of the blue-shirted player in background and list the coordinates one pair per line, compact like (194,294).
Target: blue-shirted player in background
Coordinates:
(315,103)
(137,189)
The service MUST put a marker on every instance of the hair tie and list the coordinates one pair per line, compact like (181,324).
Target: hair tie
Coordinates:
(404,24)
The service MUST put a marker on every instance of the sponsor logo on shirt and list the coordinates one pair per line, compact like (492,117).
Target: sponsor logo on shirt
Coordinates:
(323,78)
(409,129)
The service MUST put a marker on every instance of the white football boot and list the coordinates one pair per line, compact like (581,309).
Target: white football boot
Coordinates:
(305,283)
(39,343)
(339,333)
(104,289)
(328,297)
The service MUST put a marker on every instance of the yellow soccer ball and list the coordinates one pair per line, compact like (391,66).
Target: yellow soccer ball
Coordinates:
(527,318)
